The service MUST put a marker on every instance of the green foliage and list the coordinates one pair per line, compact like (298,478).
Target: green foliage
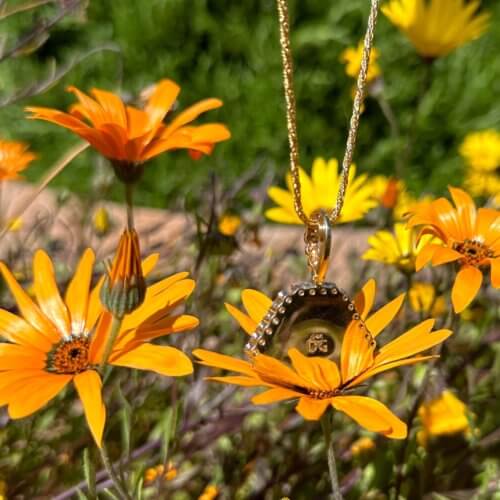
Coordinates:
(230,50)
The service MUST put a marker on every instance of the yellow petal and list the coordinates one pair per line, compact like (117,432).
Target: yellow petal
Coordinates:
(29,395)
(224,362)
(47,293)
(89,386)
(379,320)
(16,357)
(495,272)
(466,286)
(365,298)
(164,360)
(273,396)
(372,415)
(418,339)
(247,323)
(77,293)
(237,380)
(312,409)
(28,308)
(19,331)
(256,303)
(357,351)
(322,374)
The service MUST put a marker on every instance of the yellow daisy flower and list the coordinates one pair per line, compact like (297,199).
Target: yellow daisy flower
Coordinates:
(352,58)
(320,192)
(437,27)
(398,248)
(481,150)
(423,299)
(444,415)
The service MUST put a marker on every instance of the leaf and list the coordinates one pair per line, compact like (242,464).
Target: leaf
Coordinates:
(89,474)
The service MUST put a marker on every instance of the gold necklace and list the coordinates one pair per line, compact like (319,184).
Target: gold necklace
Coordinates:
(313,316)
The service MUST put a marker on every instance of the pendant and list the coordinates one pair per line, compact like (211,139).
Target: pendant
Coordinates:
(311,316)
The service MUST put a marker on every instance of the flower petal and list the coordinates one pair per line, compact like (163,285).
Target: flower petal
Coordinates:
(312,409)
(256,303)
(29,395)
(467,284)
(371,414)
(495,272)
(17,330)
(216,360)
(47,293)
(379,320)
(247,323)
(77,293)
(28,308)
(322,374)
(365,298)
(273,396)
(164,360)
(418,339)
(16,357)
(357,351)
(89,387)
(444,255)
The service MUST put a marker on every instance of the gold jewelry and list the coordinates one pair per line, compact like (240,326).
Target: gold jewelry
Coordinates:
(313,316)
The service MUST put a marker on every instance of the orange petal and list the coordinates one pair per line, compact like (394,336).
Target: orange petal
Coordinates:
(164,360)
(77,293)
(247,323)
(191,113)
(93,110)
(29,395)
(89,387)
(47,293)
(275,372)
(371,414)
(357,351)
(28,308)
(322,374)
(312,409)
(112,105)
(19,331)
(256,303)
(161,101)
(376,369)
(466,211)
(216,360)
(495,272)
(467,284)
(273,396)
(418,339)
(379,320)
(365,298)
(425,256)
(444,255)
(16,357)
(237,380)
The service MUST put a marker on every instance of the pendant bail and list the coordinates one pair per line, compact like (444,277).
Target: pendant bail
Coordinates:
(318,240)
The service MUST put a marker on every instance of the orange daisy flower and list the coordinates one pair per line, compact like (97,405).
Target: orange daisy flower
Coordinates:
(56,340)
(470,237)
(318,382)
(14,158)
(129,136)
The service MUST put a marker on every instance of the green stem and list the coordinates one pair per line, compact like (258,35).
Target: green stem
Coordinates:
(120,488)
(115,328)
(129,190)
(330,453)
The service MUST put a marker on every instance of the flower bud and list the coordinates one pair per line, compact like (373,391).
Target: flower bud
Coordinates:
(124,288)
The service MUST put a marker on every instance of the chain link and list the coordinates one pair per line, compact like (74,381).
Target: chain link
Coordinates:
(291,113)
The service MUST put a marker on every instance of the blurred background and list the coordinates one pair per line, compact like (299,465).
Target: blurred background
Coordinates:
(230,50)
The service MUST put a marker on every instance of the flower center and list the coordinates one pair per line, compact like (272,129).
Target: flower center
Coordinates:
(69,356)
(322,394)
(474,251)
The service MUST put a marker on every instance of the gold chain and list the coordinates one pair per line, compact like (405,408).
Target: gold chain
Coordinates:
(291,112)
